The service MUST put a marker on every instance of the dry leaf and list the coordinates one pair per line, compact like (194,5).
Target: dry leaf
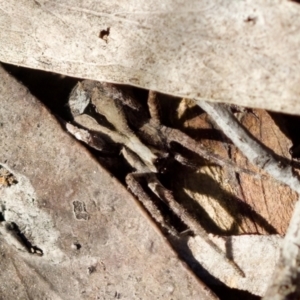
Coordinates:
(232,203)
(244,52)
(257,255)
(272,201)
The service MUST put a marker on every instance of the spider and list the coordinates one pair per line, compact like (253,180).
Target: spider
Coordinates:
(105,115)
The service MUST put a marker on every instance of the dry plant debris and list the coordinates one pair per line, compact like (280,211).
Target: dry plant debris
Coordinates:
(174,146)
(240,201)
(240,52)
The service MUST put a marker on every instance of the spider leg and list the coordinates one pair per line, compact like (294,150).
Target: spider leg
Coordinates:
(86,137)
(185,161)
(153,107)
(132,181)
(170,135)
(174,135)
(166,196)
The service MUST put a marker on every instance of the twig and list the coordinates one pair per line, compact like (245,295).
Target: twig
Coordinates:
(249,146)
